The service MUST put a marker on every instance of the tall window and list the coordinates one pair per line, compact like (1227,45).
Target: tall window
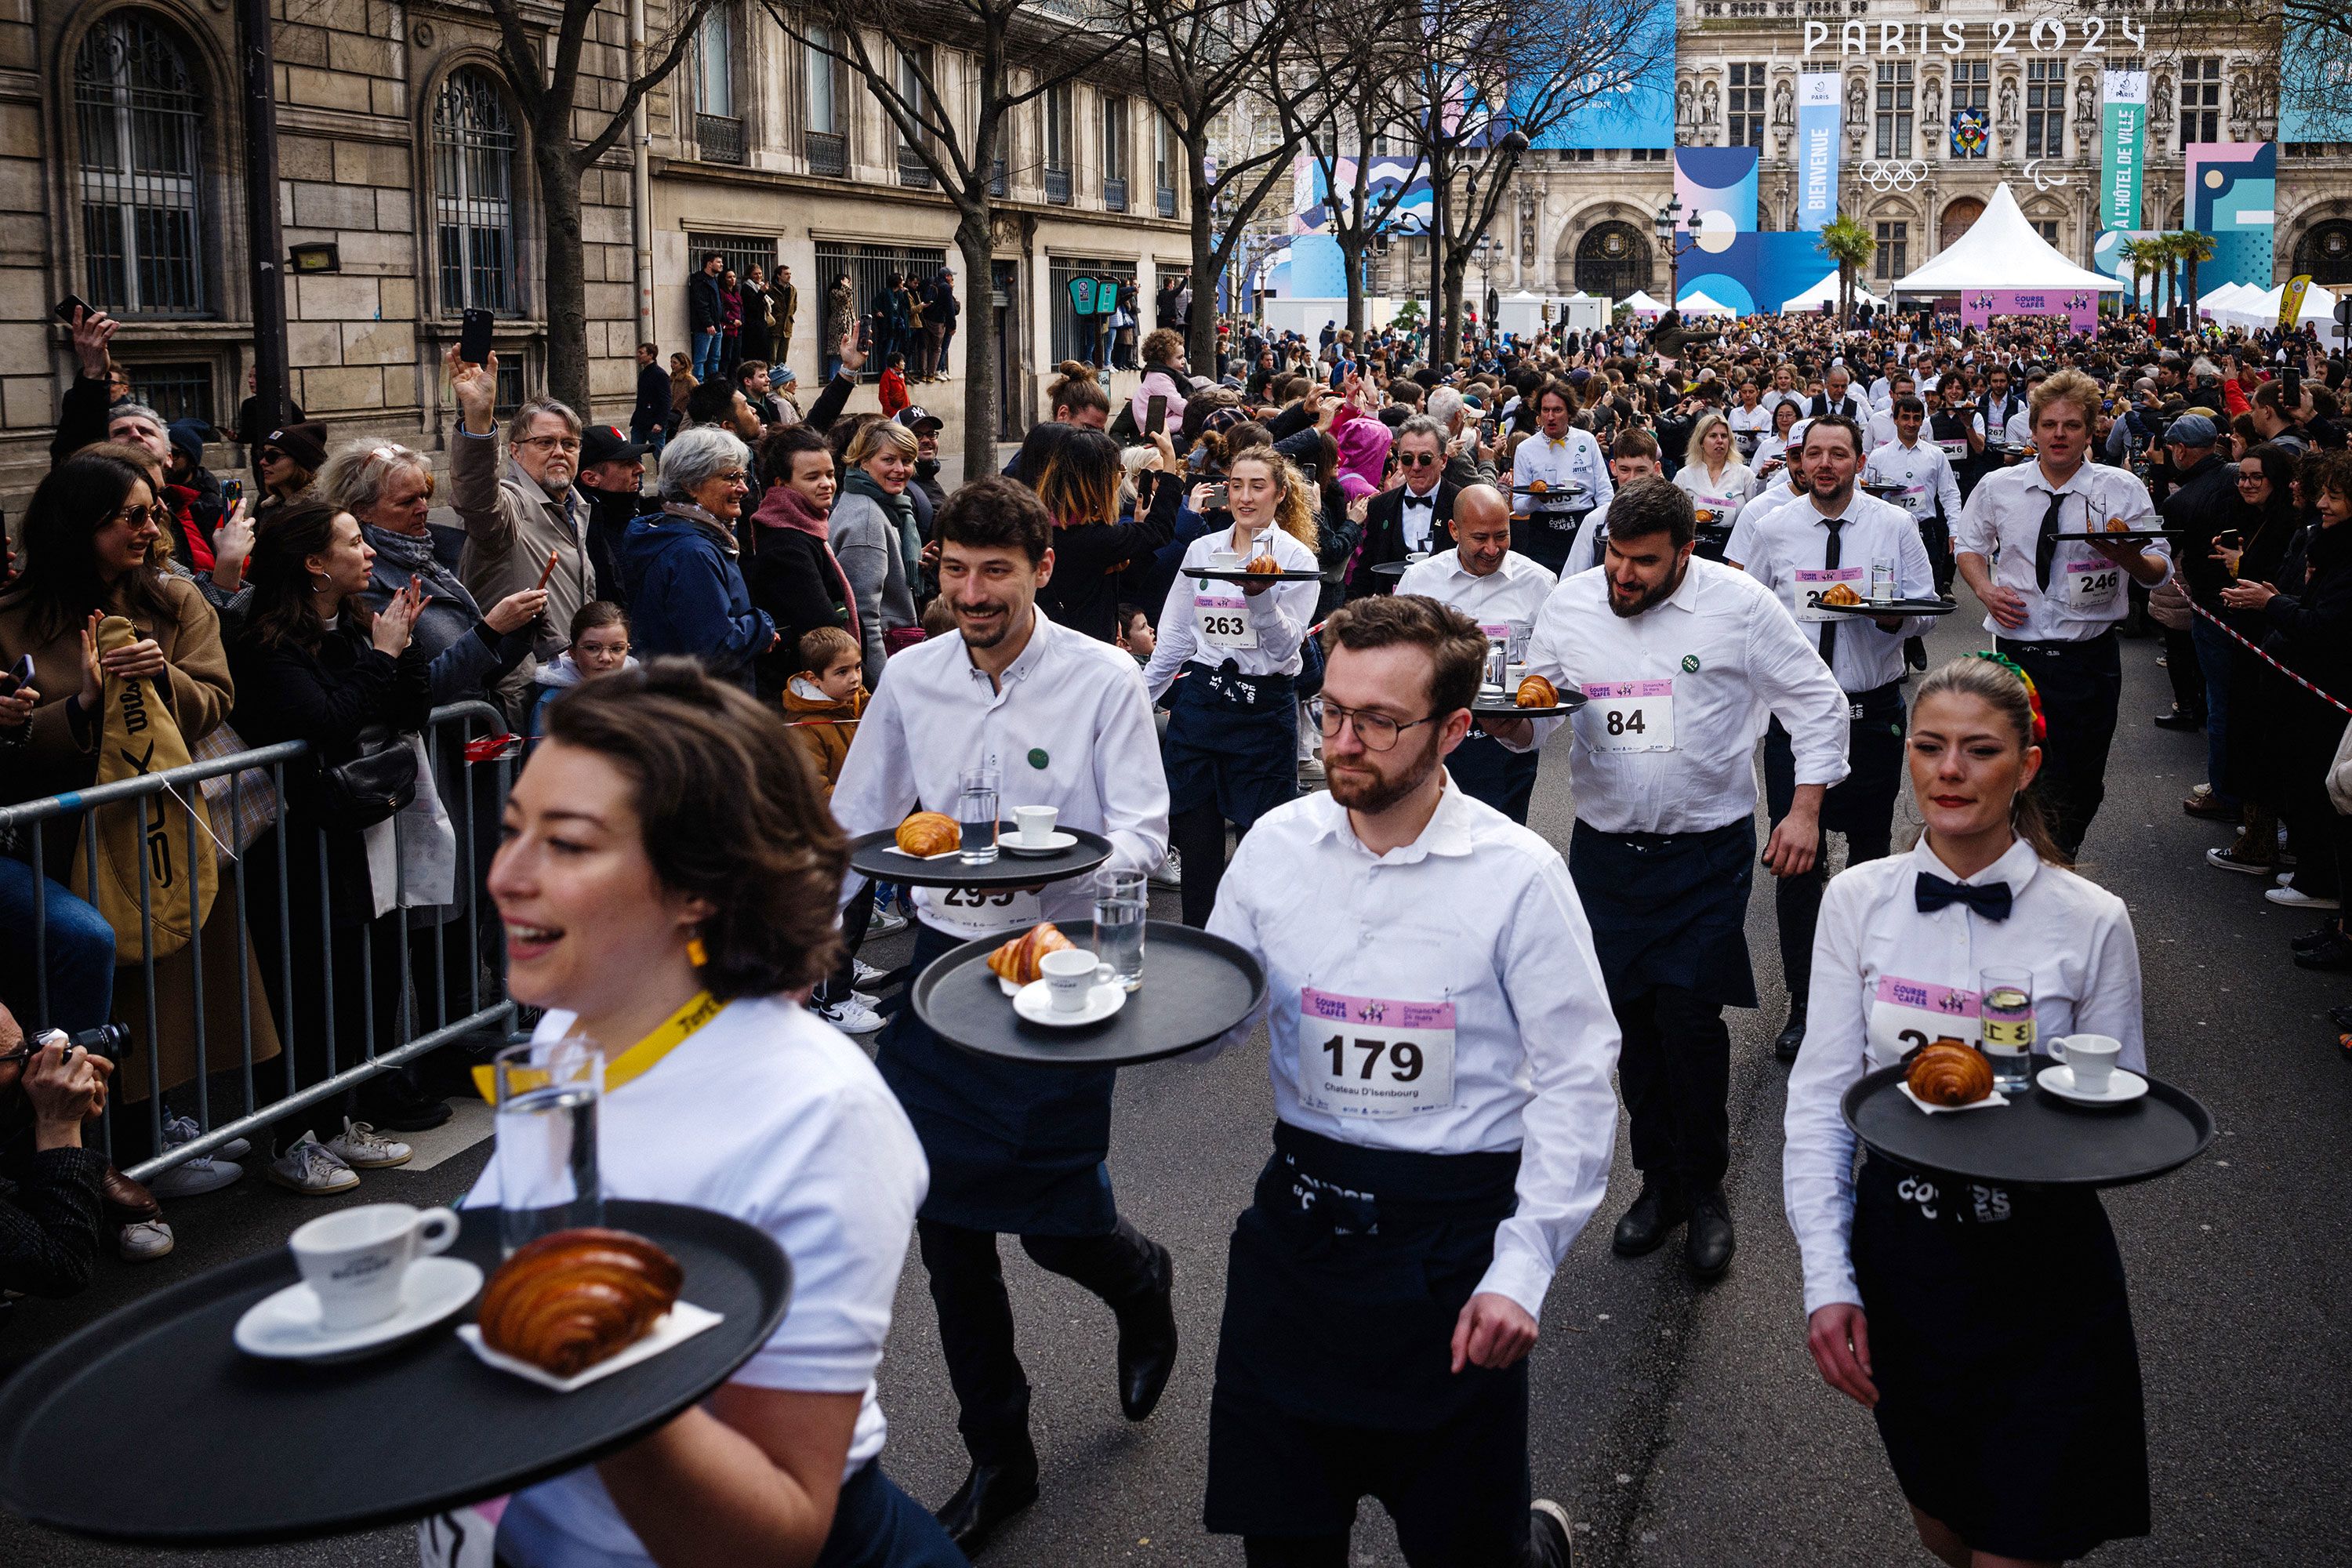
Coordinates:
(914,68)
(1895,140)
(828,146)
(2045,109)
(1894,257)
(717,129)
(1057,143)
(1972,89)
(1745,126)
(139,115)
(1114,156)
(1163,163)
(2047,227)
(2200,101)
(474,144)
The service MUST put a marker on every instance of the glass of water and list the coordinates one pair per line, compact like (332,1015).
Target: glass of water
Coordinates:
(2006,1011)
(547,1097)
(976,814)
(1881,580)
(1122,904)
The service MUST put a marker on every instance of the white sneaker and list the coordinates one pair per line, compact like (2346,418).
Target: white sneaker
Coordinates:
(1170,873)
(2295,898)
(885,921)
(851,1018)
(192,1178)
(144,1242)
(362,1148)
(180,1129)
(862,973)
(868,1000)
(1311,769)
(312,1170)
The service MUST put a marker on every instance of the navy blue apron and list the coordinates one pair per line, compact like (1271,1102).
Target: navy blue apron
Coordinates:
(1669,909)
(1232,741)
(1013,1147)
(1546,537)
(1863,801)
(2008,1373)
(1488,772)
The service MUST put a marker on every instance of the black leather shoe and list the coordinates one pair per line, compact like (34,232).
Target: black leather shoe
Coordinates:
(1785,1046)
(2318,937)
(2177,719)
(1551,1543)
(1915,652)
(1147,1344)
(990,1495)
(1650,1221)
(1707,1245)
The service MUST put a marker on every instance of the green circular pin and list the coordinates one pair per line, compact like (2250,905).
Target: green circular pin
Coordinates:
(1037,758)
(1690,664)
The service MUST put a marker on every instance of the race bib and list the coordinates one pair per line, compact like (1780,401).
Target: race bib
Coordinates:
(462,1538)
(2092,581)
(1805,590)
(1907,1014)
(1628,716)
(1955,450)
(1224,619)
(1373,1056)
(973,912)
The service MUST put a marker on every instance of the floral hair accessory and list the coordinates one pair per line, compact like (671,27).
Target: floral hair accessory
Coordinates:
(2032,692)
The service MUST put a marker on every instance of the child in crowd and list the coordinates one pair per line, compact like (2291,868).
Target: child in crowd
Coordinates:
(1135,633)
(893,387)
(600,645)
(822,704)
(939,619)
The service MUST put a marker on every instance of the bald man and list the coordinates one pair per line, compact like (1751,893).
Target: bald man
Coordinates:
(1484,578)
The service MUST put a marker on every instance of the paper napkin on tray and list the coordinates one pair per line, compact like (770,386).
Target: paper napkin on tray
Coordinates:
(1995,1097)
(674,1328)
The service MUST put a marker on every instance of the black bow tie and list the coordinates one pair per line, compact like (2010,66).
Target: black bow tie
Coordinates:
(1989,900)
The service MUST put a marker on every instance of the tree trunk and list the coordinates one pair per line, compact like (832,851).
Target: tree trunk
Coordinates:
(567,289)
(1200,341)
(2188,262)
(976,330)
(1448,348)
(1352,257)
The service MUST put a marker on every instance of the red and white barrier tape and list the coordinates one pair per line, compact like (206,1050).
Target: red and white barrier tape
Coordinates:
(2232,633)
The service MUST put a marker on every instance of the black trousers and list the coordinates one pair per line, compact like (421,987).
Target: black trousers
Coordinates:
(837,986)
(1936,533)
(967,1277)
(1797,901)
(2187,676)
(2081,683)
(1198,837)
(1675,1071)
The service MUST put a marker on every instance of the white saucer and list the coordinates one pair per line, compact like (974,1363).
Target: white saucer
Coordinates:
(2123,1087)
(285,1326)
(1011,844)
(1035,1003)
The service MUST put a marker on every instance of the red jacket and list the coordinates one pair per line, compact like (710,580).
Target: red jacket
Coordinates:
(894,394)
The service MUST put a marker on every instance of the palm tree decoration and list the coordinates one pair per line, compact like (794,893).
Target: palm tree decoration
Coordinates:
(2170,255)
(2194,247)
(1850,245)
(2141,255)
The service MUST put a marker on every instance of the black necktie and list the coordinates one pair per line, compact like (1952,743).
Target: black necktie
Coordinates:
(2047,546)
(1829,563)
(1989,900)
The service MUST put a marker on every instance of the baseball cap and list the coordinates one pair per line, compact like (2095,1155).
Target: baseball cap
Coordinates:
(915,417)
(2192,430)
(606,443)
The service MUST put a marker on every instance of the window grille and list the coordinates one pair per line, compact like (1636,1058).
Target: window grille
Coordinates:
(474,144)
(139,115)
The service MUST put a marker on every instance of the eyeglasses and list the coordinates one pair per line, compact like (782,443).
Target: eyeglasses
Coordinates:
(2244,479)
(551,443)
(734,477)
(1375,731)
(1417,459)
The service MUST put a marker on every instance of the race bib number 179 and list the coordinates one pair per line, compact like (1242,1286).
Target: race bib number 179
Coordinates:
(1374,1056)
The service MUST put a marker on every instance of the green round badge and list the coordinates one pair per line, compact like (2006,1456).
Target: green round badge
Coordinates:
(1690,664)
(1037,758)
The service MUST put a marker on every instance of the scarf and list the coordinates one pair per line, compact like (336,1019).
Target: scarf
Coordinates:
(785,507)
(857,481)
(686,512)
(412,556)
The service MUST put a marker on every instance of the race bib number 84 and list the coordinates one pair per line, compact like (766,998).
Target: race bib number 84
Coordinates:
(1628,716)
(1373,1056)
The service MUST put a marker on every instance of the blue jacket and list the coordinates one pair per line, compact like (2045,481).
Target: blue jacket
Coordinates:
(687,596)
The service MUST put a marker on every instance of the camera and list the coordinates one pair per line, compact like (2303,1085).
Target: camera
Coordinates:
(112,1041)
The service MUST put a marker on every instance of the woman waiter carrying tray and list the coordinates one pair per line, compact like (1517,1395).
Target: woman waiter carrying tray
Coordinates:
(1987,1328)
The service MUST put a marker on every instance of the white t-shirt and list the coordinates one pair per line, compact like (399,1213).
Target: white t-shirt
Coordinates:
(770,1115)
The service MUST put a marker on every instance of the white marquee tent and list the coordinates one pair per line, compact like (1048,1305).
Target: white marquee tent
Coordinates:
(1697,303)
(2259,308)
(2000,250)
(1825,292)
(1640,304)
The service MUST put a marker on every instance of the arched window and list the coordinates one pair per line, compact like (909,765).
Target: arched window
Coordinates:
(137,115)
(2326,253)
(474,144)
(1613,260)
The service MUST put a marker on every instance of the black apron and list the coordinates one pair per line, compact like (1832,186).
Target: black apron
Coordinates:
(1864,799)
(1546,537)
(1012,1147)
(1669,909)
(1487,771)
(1232,741)
(2002,1343)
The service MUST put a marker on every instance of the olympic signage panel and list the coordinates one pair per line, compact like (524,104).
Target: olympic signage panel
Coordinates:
(2122,100)
(2000,35)
(1613,107)
(2079,306)
(1820,116)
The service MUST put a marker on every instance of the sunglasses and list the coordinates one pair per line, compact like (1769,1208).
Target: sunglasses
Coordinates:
(1417,460)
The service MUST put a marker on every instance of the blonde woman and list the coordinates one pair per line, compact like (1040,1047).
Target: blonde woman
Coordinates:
(873,534)
(1231,653)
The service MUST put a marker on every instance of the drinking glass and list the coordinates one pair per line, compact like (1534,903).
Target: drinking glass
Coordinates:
(547,1097)
(1498,661)
(1881,580)
(2006,1011)
(1122,904)
(976,814)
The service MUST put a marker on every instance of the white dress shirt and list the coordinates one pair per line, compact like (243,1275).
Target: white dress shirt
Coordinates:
(2072,936)
(1701,671)
(1723,495)
(1511,596)
(1477,913)
(1068,725)
(1788,549)
(1210,622)
(1574,458)
(2018,431)
(1417,514)
(1924,473)
(1762,505)
(1750,426)
(2088,592)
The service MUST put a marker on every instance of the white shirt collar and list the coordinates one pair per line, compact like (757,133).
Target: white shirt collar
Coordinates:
(1024,663)
(1445,833)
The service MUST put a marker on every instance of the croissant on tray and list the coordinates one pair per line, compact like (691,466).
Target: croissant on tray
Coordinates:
(1535,692)
(1840,594)
(568,1300)
(1017,960)
(1948,1073)
(1263,566)
(928,833)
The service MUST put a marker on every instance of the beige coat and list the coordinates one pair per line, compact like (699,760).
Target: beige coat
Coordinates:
(510,525)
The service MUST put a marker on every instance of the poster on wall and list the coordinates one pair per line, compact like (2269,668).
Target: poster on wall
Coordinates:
(1971,132)
(2233,196)
(2079,306)
(1716,243)
(2123,112)
(1820,120)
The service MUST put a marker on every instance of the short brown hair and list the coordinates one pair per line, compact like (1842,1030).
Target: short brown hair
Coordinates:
(729,814)
(1650,507)
(994,512)
(824,646)
(1456,648)
(1634,443)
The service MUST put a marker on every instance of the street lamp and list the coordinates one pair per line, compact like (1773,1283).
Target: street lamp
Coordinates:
(1669,221)
(1487,282)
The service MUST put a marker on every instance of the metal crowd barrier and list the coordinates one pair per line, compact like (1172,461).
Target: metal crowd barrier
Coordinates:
(485,1005)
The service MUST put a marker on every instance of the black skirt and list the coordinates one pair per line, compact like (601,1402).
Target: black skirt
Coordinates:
(2000,1340)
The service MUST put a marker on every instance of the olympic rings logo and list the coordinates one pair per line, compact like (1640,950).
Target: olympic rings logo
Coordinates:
(1882,174)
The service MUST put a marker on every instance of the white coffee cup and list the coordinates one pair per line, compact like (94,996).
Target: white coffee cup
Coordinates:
(1035,823)
(354,1259)
(1071,974)
(2091,1058)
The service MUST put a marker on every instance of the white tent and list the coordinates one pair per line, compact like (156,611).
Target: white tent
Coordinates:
(2000,250)
(2222,298)
(1640,304)
(1520,313)
(2259,306)
(1825,292)
(1696,303)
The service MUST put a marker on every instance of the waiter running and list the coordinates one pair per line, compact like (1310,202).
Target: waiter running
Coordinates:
(1800,553)
(2052,602)
(1557,476)
(1503,592)
(1440,1057)
(1680,660)
(1065,721)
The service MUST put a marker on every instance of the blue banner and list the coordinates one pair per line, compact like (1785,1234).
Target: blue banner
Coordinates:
(1618,108)
(1820,116)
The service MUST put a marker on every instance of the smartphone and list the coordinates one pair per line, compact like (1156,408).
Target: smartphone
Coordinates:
(474,337)
(232,493)
(1217,495)
(1155,415)
(547,571)
(22,676)
(64,309)
(2291,387)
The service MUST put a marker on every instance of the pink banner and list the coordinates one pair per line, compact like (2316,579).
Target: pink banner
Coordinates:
(2079,306)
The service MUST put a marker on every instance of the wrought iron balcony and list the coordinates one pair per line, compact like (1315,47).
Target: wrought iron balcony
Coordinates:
(1058,187)
(828,154)
(720,137)
(1113,194)
(913,173)
(1167,201)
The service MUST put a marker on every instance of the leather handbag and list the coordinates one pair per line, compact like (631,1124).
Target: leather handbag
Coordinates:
(372,787)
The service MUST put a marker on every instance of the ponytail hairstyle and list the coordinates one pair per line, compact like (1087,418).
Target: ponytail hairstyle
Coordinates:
(1077,389)
(2001,684)
(1293,512)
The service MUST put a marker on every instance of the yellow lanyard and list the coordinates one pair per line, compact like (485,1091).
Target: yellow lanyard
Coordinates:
(638,1059)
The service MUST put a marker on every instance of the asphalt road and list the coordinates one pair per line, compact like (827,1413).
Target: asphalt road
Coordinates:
(1680,1425)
